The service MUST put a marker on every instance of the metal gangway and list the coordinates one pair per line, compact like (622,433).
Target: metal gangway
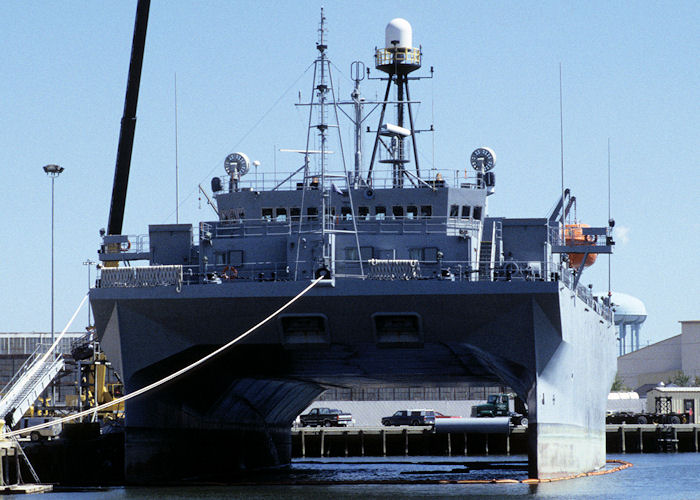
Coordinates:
(33,377)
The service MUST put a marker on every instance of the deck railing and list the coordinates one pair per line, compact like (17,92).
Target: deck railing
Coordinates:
(387,269)
(382,178)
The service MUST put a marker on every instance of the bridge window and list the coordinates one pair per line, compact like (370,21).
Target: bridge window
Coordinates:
(363,213)
(411,212)
(235,258)
(351,253)
(345,213)
(380,212)
(426,211)
(477,213)
(312,213)
(454,210)
(294,212)
(281,215)
(220,258)
(430,254)
(466,211)
(397,211)
(267,214)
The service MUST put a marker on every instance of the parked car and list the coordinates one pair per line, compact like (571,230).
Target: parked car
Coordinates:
(410,417)
(440,415)
(327,417)
(45,433)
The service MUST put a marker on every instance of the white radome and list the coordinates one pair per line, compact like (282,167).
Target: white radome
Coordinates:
(399,30)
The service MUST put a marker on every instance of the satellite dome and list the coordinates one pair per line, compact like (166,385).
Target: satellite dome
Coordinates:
(399,30)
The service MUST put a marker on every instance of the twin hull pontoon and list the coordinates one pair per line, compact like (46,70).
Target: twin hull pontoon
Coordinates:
(419,286)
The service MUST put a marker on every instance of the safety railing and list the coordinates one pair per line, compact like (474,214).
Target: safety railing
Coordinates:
(366,224)
(379,269)
(382,178)
(577,235)
(142,276)
(398,55)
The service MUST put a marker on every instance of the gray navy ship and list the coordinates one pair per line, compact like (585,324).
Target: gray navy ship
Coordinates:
(419,285)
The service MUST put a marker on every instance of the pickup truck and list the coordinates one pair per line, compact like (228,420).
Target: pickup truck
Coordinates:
(411,417)
(498,406)
(326,417)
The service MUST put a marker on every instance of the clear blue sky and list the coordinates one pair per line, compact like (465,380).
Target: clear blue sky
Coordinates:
(630,73)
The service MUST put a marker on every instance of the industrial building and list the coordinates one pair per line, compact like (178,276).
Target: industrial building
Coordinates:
(645,368)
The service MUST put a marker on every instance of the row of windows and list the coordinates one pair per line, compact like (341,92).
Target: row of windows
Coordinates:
(379,212)
(468,212)
(428,254)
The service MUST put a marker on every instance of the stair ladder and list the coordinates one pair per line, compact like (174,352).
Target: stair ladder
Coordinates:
(487,256)
(33,377)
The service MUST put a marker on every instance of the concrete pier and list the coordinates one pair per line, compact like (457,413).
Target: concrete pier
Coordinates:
(421,440)
(401,441)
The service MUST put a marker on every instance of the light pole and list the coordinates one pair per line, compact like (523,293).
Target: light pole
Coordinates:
(52,171)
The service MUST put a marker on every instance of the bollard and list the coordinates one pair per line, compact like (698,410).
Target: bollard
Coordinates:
(322,438)
(449,444)
(303,445)
(622,438)
(675,439)
(362,443)
(465,445)
(641,441)
(345,433)
(383,442)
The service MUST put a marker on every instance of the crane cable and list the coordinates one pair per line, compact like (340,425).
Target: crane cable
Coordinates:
(162,381)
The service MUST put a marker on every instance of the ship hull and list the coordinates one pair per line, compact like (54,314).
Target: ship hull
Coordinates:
(235,412)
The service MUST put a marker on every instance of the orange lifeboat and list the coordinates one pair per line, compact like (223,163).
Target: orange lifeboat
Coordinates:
(573,234)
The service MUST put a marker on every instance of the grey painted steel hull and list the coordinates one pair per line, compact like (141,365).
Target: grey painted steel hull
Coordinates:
(537,337)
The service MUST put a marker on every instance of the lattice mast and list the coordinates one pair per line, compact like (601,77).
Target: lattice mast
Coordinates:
(323,99)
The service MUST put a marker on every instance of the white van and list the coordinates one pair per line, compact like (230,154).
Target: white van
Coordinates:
(45,433)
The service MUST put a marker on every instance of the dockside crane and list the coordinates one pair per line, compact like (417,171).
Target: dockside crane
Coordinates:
(128,124)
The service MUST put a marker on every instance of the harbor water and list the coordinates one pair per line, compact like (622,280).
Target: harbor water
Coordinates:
(669,476)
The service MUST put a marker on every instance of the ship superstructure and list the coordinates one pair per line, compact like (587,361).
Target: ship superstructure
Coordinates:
(420,285)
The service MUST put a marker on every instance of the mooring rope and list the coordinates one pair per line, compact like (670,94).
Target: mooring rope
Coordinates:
(162,381)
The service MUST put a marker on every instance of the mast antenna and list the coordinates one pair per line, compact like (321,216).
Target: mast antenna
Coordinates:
(324,100)
(610,222)
(177,186)
(561,132)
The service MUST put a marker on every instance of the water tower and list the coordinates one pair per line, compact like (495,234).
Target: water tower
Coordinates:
(630,313)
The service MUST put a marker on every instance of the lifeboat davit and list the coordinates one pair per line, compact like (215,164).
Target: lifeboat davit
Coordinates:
(573,234)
